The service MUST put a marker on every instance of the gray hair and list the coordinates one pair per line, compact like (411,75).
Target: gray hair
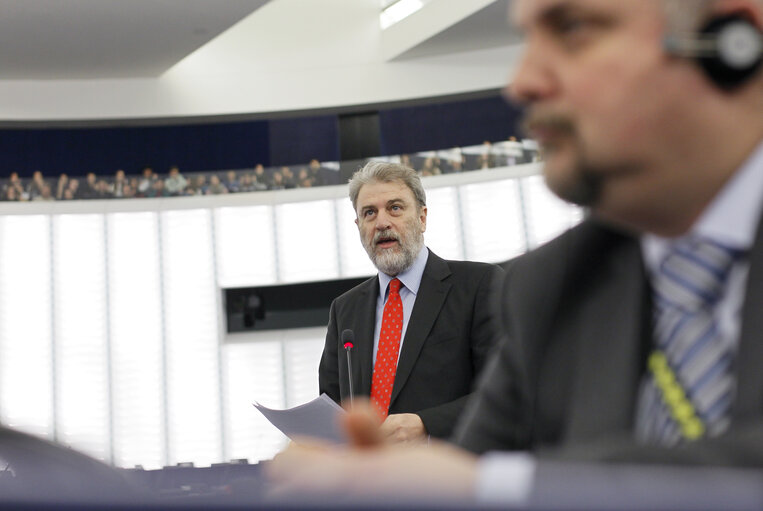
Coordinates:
(383,172)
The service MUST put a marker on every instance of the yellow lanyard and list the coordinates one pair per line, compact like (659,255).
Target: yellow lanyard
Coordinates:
(674,397)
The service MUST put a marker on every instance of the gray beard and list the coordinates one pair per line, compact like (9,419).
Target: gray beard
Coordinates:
(395,262)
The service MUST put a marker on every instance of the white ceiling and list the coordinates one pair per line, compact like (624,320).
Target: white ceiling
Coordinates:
(485,28)
(122,59)
(86,39)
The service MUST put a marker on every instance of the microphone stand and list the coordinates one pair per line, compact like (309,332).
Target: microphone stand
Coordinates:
(347,349)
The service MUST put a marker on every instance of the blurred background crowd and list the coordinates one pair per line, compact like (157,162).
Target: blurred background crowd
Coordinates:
(174,183)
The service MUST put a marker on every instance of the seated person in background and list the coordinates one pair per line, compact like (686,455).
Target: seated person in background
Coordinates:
(511,152)
(245,183)
(635,336)
(11,194)
(147,181)
(317,173)
(102,190)
(276,183)
(72,191)
(117,187)
(46,194)
(158,189)
(456,166)
(175,183)
(231,182)
(486,158)
(304,179)
(63,183)
(215,186)
(128,192)
(89,189)
(452,160)
(419,369)
(197,185)
(258,183)
(34,189)
(261,175)
(289,180)
(14,182)
(430,167)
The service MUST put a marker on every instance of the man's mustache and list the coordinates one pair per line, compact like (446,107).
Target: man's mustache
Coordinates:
(385,234)
(536,121)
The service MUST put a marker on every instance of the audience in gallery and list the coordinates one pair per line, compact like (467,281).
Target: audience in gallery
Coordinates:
(174,184)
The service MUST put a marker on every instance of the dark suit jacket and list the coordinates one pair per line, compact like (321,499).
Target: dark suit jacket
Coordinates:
(577,313)
(449,335)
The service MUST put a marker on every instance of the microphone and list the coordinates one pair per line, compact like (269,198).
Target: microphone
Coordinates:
(348,341)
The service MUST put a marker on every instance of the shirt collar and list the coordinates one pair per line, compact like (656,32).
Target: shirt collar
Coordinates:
(731,218)
(410,278)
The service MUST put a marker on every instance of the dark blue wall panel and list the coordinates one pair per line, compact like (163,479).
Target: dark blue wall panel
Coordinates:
(78,151)
(295,141)
(458,123)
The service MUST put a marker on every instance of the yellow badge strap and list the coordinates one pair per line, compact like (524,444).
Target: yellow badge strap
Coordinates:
(674,397)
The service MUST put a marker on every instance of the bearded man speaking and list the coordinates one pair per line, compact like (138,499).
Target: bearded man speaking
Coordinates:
(422,327)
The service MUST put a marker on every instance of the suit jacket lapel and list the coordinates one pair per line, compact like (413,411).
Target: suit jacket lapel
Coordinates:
(364,337)
(749,401)
(429,300)
(612,330)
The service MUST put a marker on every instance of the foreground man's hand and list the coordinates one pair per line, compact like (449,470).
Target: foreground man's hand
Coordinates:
(405,428)
(371,467)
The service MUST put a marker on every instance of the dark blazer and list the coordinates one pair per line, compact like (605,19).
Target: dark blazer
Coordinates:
(449,336)
(577,313)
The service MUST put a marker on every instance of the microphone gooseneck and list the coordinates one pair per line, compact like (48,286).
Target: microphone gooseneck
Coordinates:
(348,341)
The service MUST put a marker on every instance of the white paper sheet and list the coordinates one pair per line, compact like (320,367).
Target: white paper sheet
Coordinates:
(318,418)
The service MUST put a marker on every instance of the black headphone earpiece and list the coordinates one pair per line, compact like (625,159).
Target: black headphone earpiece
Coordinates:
(728,48)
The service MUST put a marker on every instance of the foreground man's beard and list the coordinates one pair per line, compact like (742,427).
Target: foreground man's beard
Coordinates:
(581,183)
(394,261)
(584,190)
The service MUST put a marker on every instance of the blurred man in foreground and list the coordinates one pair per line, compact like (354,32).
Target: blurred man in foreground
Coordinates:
(635,336)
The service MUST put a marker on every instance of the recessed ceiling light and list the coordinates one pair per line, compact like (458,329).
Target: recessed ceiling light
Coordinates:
(397,11)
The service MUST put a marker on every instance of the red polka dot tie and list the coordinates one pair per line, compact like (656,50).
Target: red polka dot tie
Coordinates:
(389,346)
